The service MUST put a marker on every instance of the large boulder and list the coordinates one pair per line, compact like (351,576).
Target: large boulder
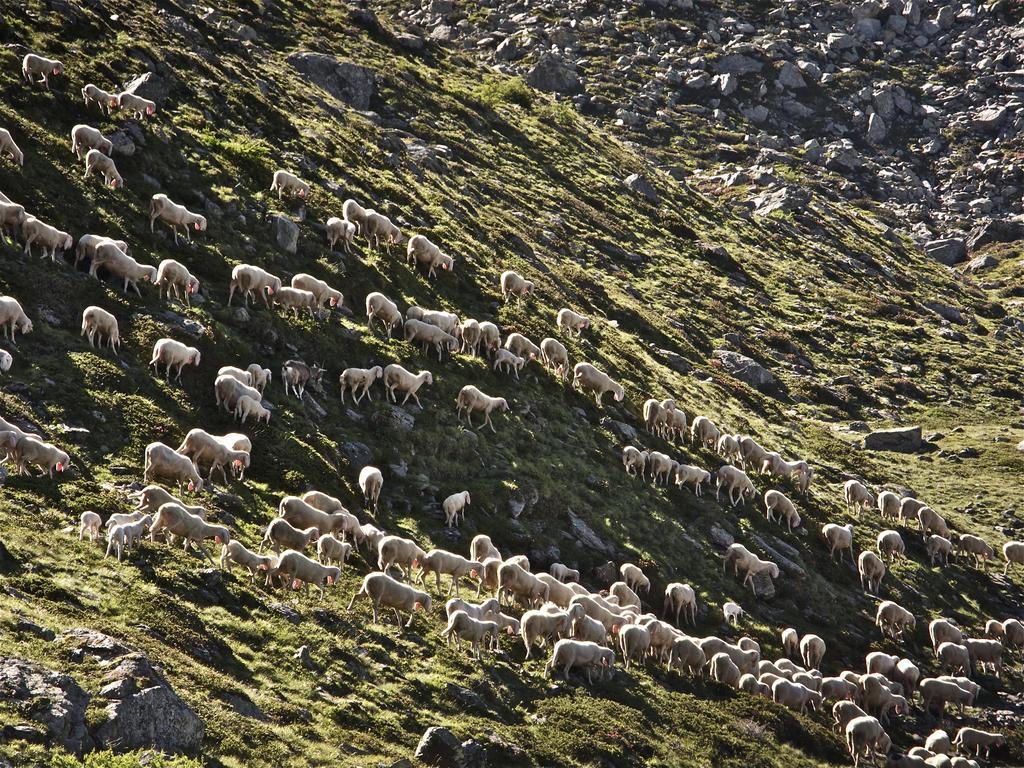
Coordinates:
(738,64)
(54,700)
(642,186)
(552,74)
(790,198)
(286,233)
(353,84)
(744,368)
(948,251)
(995,231)
(150,86)
(901,440)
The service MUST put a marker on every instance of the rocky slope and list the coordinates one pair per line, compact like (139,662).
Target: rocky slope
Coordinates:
(805,319)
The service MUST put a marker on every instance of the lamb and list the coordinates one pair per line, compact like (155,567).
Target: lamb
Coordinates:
(438,561)
(86,137)
(453,506)
(737,482)
(322,292)
(354,378)
(888,505)
(591,630)
(176,520)
(932,522)
(972,738)
(296,300)
(571,653)
(857,497)
(988,652)
(564,573)
(1013,553)
(953,658)
(750,684)
(246,406)
(253,281)
(938,548)
(462,626)
(370,483)
(353,213)
(33,65)
(379,229)
(790,641)
(87,245)
(626,597)
(838,538)
(172,275)
(172,353)
(381,589)
(481,548)
(550,626)
(688,473)
(164,461)
(572,321)
(490,337)
(380,307)
(404,554)
(52,240)
(685,653)
(812,651)
(120,264)
(471,400)
(92,94)
(732,612)
(89,523)
(634,577)
(125,536)
(728,447)
(339,229)
(509,361)
(236,552)
(295,375)
(137,105)
(776,500)
(470,332)
(514,580)
(162,208)
(301,570)
(260,376)
(745,661)
(968,544)
(587,377)
(421,250)
(97,161)
(369,535)
(152,497)
(427,335)
(703,432)
(514,284)
(723,670)
(486,609)
(281,535)
(285,181)
(96,323)
(943,630)
(795,696)
(890,544)
(232,449)
(866,737)
(942,692)
(871,570)
(893,619)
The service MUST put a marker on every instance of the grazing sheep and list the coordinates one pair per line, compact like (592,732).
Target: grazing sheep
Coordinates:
(162,208)
(662,466)
(550,626)
(968,739)
(370,483)
(634,577)
(676,427)
(888,505)
(728,447)
(134,103)
(777,500)
(288,182)
(260,376)
(236,552)
(172,275)
(625,596)
(471,400)
(572,653)
(295,375)
(246,406)
(742,558)
(943,692)
(490,337)
(170,353)
(282,535)
(236,373)
(89,523)
(812,651)
(795,696)
(865,737)
(421,250)
(837,689)
(736,481)
(462,626)
(381,589)
(97,161)
(774,464)
(508,360)
(656,416)
(322,292)
(595,609)
(932,522)
(85,137)
(703,432)
(380,307)
(354,213)
(732,612)
(297,568)
(890,545)
(938,548)
(558,593)
(1013,552)
(124,536)
(12,216)
(909,507)
(470,333)
(453,506)
(977,547)
(688,473)
(752,455)
(843,712)
(907,674)
(152,497)
(635,460)
(446,321)
(33,65)
(838,538)
(356,378)
(481,548)
(97,323)
(687,654)
(938,743)
(871,570)
(52,240)
(516,581)
(87,245)
(192,529)
(564,573)
(404,554)
(379,229)
(251,282)
(893,619)
(587,377)
(572,321)
(295,300)
(790,642)
(514,284)
(942,631)
(953,658)
(520,346)
(120,264)
(438,561)
(857,497)
(92,94)
(723,670)
(232,450)
(339,229)
(164,461)
(8,147)
(427,335)
(988,652)
(634,642)
(316,508)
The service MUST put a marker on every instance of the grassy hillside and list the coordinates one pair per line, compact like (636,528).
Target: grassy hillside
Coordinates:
(501,177)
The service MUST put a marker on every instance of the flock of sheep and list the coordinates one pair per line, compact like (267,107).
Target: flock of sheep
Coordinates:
(584,629)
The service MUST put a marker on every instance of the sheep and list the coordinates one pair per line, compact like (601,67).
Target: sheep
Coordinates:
(331,549)
(843,712)
(152,497)
(92,94)
(6,361)
(453,506)
(790,641)
(703,432)
(471,400)
(571,653)
(595,609)
(907,674)
(233,449)
(13,318)
(446,321)
(871,570)
(87,137)
(893,619)
(381,589)
(635,460)
(890,545)
(96,323)
(487,609)
(732,612)
(838,538)
(627,597)
(52,240)
(1010,631)
(776,500)
(752,455)
(972,738)
(354,213)
(1013,554)
(285,181)
(938,743)
(490,337)
(591,630)
(172,275)
(988,652)
(295,300)
(938,548)
(688,473)
(662,466)
(8,147)
(398,378)
(514,284)
(260,377)
(178,521)
(953,658)
(481,548)
(687,654)
(89,523)
(888,505)
(514,580)
(837,689)
(509,361)
(558,593)
(12,216)
(339,229)
(943,630)
(438,561)
(866,737)
(520,346)
(295,375)
(236,552)
(246,406)
(469,330)
(120,264)
(550,626)
(236,373)
(322,292)
(33,64)
(369,535)
(404,554)
(857,497)
(728,447)
(795,696)
(87,245)
(942,692)
(162,208)
(880,663)
(932,522)
(676,426)
(736,480)
(173,353)
(137,105)
(427,335)
(812,651)
(379,229)
(909,507)
(380,307)
(164,461)
(724,670)
(462,626)
(421,250)
(354,378)
(745,661)
(587,377)
(370,483)
(964,683)
(253,281)
(774,464)
(563,573)
(280,534)
(656,416)
(571,321)
(740,557)
(634,577)
(977,547)
(126,535)
(97,161)
(299,570)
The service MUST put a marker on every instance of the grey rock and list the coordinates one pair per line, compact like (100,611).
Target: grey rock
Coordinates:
(410,42)
(720,537)
(946,312)
(786,564)
(641,186)
(27,625)
(626,433)
(948,251)
(350,83)
(745,369)
(757,114)
(900,440)
(553,75)
(789,76)
(286,233)
(122,143)
(92,642)
(150,86)
(763,585)
(586,536)
(393,417)
(439,746)
(981,263)
(507,50)
(781,199)
(990,119)
(995,231)
(877,129)
(357,454)
(606,573)
(840,41)
(302,655)
(51,699)
(154,718)
(868,29)
(738,64)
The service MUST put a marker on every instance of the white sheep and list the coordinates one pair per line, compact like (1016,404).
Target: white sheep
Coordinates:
(795,696)
(777,501)
(736,481)
(555,356)
(135,104)
(381,589)
(812,651)
(661,466)
(462,626)
(330,549)
(564,573)
(690,473)
(398,378)
(12,216)
(571,653)
(358,379)
(943,630)
(252,281)
(519,345)
(938,548)
(86,137)
(120,264)
(162,208)
(732,612)
(776,465)
(871,570)
(470,332)
(87,245)
(93,94)
(481,548)
(170,353)
(236,552)
(380,230)
(704,433)
(888,505)
(33,65)
(321,290)
(635,460)
(635,643)
(968,739)
(509,361)
(471,400)
(125,536)
(295,300)
(514,284)
(587,377)
(52,240)
(247,406)
(25,450)
(977,547)
(634,577)
(838,538)
(171,276)
(790,641)
(229,390)
(354,213)
(232,450)
(282,535)
(893,619)
(752,455)
(453,506)
(866,737)
(427,335)
(370,483)
(728,447)
(176,520)
(164,461)
(932,522)
(380,307)
(97,161)
(97,323)
(421,250)
(572,321)
(953,658)
(285,181)
(681,600)
(890,545)
(89,523)
(260,376)
(340,230)
(857,496)
(490,337)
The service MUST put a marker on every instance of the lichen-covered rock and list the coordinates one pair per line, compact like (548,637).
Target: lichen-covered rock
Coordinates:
(54,700)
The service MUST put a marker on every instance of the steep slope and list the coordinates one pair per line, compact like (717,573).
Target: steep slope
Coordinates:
(845,314)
